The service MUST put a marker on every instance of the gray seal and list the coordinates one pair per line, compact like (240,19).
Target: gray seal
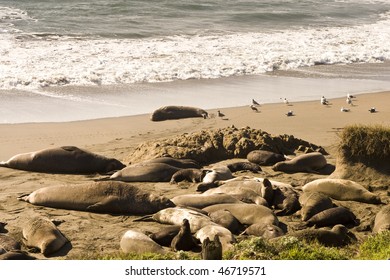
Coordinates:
(41,233)
(382,220)
(145,172)
(284,198)
(164,236)
(244,166)
(193,175)
(177,112)
(265,231)
(342,189)
(176,162)
(16,255)
(226,219)
(137,242)
(102,197)
(332,216)
(202,200)
(313,203)
(218,173)
(310,163)
(262,157)
(226,238)
(66,160)
(7,243)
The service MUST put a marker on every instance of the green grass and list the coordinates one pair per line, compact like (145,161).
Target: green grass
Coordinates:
(376,247)
(365,143)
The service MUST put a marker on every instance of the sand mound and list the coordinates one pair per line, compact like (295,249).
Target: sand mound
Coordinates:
(207,146)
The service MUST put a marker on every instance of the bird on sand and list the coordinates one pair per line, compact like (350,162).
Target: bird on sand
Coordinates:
(221,115)
(344,109)
(372,110)
(255,103)
(285,101)
(289,113)
(254,109)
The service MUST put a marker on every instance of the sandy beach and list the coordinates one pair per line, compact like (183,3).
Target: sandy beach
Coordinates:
(91,233)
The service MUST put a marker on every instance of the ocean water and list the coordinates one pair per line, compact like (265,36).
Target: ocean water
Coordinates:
(133,51)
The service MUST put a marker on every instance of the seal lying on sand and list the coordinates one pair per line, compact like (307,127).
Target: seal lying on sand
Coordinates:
(263,157)
(218,173)
(176,162)
(242,193)
(7,244)
(284,198)
(66,159)
(41,233)
(244,166)
(382,220)
(137,242)
(332,216)
(164,237)
(310,163)
(148,172)
(103,197)
(342,189)
(193,175)
(265,231)
(201,200)
(177,112)
(313,203)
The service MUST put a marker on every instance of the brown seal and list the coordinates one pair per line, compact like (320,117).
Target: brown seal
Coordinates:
(226,219)
(184,240)
(193,175)
(67,159)
(310,163)
(16,255)
(244,166)
(263,157)
(382,220)
(7,244)
(176,162)
(226,238)
(265,231)
(332,216)
(313,203)
(41,233)
(137,242)
(102,197)
(164,236)
(203,200)
(177,112)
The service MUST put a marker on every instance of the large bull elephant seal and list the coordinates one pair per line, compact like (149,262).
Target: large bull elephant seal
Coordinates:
(66,159)
(342,189)
(103,197)
(137,242)
(177,112)
(382,220)
(310,162)
(146,172)
(41,233)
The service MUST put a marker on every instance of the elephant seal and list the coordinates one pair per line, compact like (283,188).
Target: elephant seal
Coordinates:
(331,217)
(263,157)
(41,233)
(244,194)
(218,173)
(283,198)
(247,214)
(226,238)
(148,172)
(201,200)
(313,203)
(66,160)
(382,220)
(137,242)
(342,189)
(176,162)
(184,241)
(177,112)
(338,236)
(2,226)
(16,255)
(7,244)
(102,197)
(265,231)
(164,237)
(310,163)
(176,215)
(212,250)
(226,219)
(244,166)
(188,174)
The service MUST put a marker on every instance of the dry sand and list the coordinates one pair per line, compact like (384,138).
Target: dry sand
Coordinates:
(117,137)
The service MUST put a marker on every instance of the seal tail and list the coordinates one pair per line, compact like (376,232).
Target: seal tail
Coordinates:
(23,197)
(3,164)
(147,218)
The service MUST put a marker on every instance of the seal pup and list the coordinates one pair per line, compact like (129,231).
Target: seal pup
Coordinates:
(66,159)
(263,230)
(176,215)
(382,220)
(41,233)
(263,157)
(244,166)
(184,241)
(164,237)
(338,236)
(247,214)
(177,112)
(332,216)
(202,200)
(313,203)
(226,238)
(148,172)
(310,163)
(102,197)
(134,241)
(193,175)
(342,189)
(218,173)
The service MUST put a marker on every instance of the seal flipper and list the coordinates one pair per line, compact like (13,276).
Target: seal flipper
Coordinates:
(106,204)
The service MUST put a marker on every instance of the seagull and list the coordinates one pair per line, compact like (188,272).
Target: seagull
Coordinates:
(220,114)
(344,109)
(350,96)
(324,101)
(255,103)
(253,107)
(289,113)
(285,100)
(349,100)
(372,110)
